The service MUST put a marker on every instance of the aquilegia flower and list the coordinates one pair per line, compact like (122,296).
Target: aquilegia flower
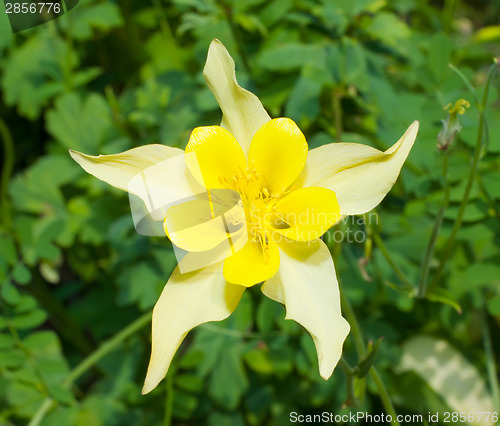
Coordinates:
(283,200)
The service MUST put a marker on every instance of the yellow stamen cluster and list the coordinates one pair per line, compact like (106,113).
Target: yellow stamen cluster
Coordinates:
(258,202)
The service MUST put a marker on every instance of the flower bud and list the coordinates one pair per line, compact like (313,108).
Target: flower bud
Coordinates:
(451,125)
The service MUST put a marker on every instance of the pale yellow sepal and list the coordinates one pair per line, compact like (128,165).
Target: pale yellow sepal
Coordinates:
(243,114)
(187,300)
(359,175)
(306,283)
(156,173)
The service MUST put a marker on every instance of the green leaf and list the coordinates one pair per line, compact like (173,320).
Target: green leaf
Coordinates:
(8,252)
(487,34)
(11,358)
(78,123)
(10,293)
(281,359)
(30,320)
(25,399)
(190,359)
(37,190)
(184,404)
(388,28)
(26,304)
(218,418)
(6,341)
(442,295)
(259,361)
(189,382)
(439,55)
(494,305)
(242,318)
(87,19)
(60,394)
(33,75)
(267,313)
(141,284)
(347,63)
(21,274)
(303,103)
(363,368)
(290,56)
(228,381)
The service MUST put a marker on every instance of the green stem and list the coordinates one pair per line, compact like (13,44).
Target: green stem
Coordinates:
(466,82)
(380,244)
(171,44)
(353,322)
(169,403)
(349,375)
(384,395)
(60,318)
(337,112)
(228,12)
(90,361)
(107,347)
(7,169)
(490,361)
(337,246)
(424,271)
(489,198)
(361,349)
(473,170)
(449,11)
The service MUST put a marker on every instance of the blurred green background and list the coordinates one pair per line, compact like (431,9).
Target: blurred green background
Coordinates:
(112,75)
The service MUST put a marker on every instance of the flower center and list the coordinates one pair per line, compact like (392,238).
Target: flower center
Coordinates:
(258,203)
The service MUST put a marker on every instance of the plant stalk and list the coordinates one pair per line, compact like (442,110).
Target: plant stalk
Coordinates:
(90,361)
(401,275)
(424,271)
(470,180)
(361,349)
(7,169)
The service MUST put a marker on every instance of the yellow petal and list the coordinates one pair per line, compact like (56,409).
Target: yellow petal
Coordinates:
(250,265)
(191,227)
(156,173)
(187,301)
(306,214)
(213,154)
(194,260)
(242,112)
(278,152)
(359,175)
(204,222)
(307,285)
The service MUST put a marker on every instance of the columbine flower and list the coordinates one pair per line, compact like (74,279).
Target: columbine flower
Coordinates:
(285,199)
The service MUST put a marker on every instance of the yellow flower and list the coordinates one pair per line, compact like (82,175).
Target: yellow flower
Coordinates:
(257,205)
